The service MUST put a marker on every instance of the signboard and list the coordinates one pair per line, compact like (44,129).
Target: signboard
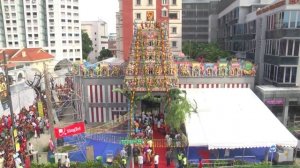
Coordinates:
(3,91)
(74,129)
(131,141)
(40,109)
(275,101)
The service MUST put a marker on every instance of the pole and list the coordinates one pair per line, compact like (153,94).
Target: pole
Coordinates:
(9,100)
(49,106)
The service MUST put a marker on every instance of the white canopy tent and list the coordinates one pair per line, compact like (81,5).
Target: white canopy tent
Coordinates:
(233,118)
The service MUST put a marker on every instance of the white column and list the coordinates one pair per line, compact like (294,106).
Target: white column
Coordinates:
(286,112)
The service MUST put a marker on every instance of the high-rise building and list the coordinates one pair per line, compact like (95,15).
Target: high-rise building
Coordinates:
(53,25)
(195,20)
(97,31)
(167,11)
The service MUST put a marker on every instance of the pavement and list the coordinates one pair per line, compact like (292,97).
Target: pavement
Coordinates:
(39,144)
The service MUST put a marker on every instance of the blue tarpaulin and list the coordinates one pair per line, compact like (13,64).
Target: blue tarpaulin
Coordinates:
(102,147)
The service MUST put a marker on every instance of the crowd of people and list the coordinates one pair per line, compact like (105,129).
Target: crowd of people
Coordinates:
(144,153)
(64,90)
(26,125)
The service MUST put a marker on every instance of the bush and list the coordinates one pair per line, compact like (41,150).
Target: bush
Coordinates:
(88,164)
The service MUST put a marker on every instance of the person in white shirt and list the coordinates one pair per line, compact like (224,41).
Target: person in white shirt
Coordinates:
(156,160)
(67,162)
(140,160)
(18,161)
(1,159)
(123,153)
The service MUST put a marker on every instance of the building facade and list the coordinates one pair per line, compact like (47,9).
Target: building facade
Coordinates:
(112,43)
(100,103)
(97,31)
(236,32)
(267,33)
(167,11)
(53,25)
(195,20)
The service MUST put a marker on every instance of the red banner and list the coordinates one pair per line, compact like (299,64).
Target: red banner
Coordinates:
(74,129)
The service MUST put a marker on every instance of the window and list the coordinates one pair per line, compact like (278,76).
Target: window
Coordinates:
(150,2)
(164,2)
(174,44)
(138,16)
(164,12)
(285,22)
(173,15)
(296,48)
(290,48)
(138,2)
(293,19)
(282,51)
(174,2)
(280,74)
(174,30)
(298,20)
(287,74)
(294,73)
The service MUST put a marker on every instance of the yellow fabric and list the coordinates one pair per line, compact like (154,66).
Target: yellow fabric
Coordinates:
(17,146)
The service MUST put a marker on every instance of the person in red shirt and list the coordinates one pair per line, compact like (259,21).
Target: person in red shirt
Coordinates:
(200,163)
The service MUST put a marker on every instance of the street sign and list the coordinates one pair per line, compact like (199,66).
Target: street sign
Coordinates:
(131,141)
(272,149)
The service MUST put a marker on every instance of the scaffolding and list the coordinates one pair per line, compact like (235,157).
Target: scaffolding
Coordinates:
(66,96)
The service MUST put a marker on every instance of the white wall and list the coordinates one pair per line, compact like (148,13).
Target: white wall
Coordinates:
(22,96)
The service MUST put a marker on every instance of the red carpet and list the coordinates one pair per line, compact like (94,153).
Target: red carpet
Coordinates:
(159,148)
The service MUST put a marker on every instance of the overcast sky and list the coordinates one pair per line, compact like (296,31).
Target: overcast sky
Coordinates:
(92,10)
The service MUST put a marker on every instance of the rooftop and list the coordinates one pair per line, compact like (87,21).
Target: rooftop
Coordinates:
(26,55)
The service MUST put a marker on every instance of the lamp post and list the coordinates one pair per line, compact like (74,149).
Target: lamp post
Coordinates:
(9,99)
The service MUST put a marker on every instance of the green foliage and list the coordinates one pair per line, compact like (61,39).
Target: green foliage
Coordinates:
(176,109)
(211,52)
(104,54)
(88,164)
(87,45)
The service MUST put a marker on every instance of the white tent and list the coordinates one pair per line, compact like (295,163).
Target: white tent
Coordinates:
(233,118)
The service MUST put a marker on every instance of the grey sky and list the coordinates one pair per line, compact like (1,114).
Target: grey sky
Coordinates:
(92,10)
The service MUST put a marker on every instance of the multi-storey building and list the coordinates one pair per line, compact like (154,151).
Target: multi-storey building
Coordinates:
(166,11)
(269,36)
(97,31)
(53,25)
(112,43)
(195,19)
(233,25)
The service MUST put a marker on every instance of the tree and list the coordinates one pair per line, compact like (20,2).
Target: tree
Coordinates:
(211,52)
(87,45)
(104,53)
(176,109)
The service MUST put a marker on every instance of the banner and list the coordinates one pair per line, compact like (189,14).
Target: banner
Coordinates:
(74,129)
(275,101)
(40,109)
(3,92)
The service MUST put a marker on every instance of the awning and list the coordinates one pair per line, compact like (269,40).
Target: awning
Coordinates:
(233,118)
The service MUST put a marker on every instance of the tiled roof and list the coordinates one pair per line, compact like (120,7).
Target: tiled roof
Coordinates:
(26,55)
